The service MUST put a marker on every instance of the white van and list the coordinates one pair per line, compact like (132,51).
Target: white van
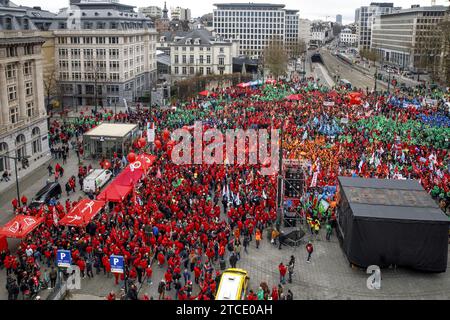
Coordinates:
(97,178)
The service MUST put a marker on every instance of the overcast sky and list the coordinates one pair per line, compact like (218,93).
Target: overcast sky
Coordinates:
(310,9)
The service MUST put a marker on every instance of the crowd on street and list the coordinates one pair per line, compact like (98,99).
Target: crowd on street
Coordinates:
(189,219)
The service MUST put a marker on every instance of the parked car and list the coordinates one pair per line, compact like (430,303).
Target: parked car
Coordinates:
(43,196)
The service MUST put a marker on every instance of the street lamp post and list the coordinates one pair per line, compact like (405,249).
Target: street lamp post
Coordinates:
(15,169)
(304,66)
(389,81)
(376,76)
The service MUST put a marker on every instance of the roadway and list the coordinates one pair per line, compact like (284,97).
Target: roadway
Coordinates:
(357,78)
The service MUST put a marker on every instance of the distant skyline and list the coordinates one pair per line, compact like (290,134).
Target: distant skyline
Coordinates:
(318,9)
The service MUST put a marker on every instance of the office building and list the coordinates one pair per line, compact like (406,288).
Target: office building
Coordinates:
(291,32)
(105,54)
(364,17)
(199,52)
(152,12)
(397,37)
(23,114)
(304,30)
(255,25)
(339,19)
(179,13)
(348,37)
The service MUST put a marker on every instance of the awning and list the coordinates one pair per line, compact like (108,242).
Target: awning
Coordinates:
(3,244)
(82,213)
(243,85)
(114,193)
(129,176)
(20,226)
(144,161)
(204,93)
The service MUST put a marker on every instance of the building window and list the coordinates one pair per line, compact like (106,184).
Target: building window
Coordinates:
(12,93)
(201,71)
(28,88)
(20,146)
(11,52)
(4,162)
(184,59)
(10,71)
(176,59)
(176,70)
(208,59)
(30,109)
(36,144)
(27,68)
(184,70)
(221,61)
(14,114)
(191,59)
(208,70)
(29,50)
(191,70)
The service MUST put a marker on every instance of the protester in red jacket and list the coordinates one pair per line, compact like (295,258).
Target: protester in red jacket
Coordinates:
(282,268)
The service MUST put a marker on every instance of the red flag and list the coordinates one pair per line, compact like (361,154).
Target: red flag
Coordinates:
(158,174)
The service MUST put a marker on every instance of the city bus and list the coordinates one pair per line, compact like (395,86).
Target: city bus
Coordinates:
(233,285)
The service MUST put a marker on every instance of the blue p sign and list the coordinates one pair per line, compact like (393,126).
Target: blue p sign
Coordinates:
(116,263)
(64,258)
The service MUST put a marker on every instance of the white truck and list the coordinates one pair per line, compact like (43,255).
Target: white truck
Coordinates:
(96,178)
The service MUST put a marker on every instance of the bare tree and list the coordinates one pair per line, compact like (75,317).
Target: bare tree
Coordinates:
(297,49)
(51,88)
(276,58)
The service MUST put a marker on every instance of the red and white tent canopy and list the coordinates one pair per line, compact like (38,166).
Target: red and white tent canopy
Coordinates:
(144,161)
(115,192)
(82,213)
(20,226)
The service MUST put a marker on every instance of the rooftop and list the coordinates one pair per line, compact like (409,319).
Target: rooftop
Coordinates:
(111,130)
(391,199)
(250,4)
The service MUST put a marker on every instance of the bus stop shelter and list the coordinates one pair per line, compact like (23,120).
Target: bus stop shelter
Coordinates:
(108,138)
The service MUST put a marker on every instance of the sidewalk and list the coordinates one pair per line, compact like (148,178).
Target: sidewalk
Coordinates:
(33,182)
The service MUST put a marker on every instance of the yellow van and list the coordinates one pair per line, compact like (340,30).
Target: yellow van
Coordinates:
(233,285)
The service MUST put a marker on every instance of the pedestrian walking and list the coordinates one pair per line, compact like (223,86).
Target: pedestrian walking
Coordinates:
(50,170)
(53,277)
(309,249)
(257,238)
(162,289)
(291,268)
(233,260)
(329,230)
(245,243)
(282,268)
